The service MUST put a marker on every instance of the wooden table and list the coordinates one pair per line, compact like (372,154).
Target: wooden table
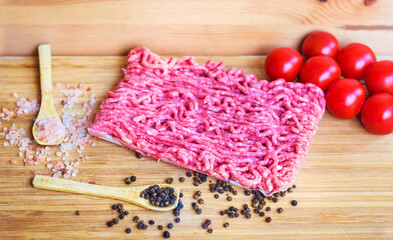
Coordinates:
(344,190)
(193,27)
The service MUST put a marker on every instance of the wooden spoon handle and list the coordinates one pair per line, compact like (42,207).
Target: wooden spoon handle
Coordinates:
(63,185)
(44,54)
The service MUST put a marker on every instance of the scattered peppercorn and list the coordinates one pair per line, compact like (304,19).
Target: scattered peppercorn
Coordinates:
(114,207)
(290,190)
(280,210)
(166,234)
(222,213)
(275,200)
(127,181)
(199,211)
(262,214)
(189,174)
(294,186)
(247,192)
(226,225)
(136,219)
(182,179)
(169,180)
(201,201)
(121,216)
(151,222)
(120,206)
(210,230)
(138,155)
(216,196)
(268,209)
(115,221)
(110,224)
(294,203)
(177,220)
(170,226)
(180,195)
(160,227)
(78,213)
(125,213)
(268,219)
(248,215)
(256,210)
(128,230)
(133,178)
(229,198)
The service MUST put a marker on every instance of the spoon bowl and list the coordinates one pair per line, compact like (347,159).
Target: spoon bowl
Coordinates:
(129,194)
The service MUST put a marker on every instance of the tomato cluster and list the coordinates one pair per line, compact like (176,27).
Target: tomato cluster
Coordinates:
(339,74)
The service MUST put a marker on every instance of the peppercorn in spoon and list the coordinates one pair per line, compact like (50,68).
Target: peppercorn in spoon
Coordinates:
(48,128)
(167,196)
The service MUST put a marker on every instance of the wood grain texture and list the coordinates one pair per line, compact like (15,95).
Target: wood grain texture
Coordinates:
(345,188)
(196,27)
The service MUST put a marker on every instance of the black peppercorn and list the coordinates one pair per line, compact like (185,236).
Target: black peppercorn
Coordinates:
(189,174)
(181,179)
(110,224)
(294,203)
(170,226)
(268,209)
(210,230)
(133,178)
(268,219)
(166,234)
(151,222)
(128,230)
(114,207)
(177,220)
(226,225)
(138,155)
(280,210)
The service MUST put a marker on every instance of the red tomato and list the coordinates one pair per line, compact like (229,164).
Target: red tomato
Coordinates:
(355,59)
(320,70)
(320,43)
(344,98)
(379,78)
(377,113)
(283,62)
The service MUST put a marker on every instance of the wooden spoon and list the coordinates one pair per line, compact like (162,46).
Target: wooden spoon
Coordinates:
(129,194)
(47,110)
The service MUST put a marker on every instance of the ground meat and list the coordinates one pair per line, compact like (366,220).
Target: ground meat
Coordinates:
(223,123)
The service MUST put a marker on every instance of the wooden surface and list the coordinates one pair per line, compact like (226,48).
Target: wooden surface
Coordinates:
(345,188)
(195,27)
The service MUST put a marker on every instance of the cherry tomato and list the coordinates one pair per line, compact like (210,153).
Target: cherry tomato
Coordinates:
(320,43)
(283,62)
(320,70)
(355,59)
(379,78)
(344,98)
(377,113)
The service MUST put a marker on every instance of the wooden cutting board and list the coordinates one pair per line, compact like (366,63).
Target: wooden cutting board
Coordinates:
(344,190)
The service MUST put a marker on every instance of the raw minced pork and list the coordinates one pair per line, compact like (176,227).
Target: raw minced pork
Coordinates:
(223,123)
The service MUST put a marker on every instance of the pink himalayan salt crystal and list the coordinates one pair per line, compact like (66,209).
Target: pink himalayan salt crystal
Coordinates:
(49,130)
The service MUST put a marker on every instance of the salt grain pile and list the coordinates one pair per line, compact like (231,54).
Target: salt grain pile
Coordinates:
(62,159)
